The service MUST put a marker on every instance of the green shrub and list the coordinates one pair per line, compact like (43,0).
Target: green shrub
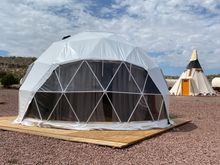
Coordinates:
(12,161)
(2,74)
(9,79)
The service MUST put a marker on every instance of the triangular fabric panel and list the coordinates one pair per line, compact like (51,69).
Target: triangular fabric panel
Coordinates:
(104,112)
(67,53)
(141,112)
(84,80)
(52,84)
(138,73)
(150,86)
(123,82)
(79,47)
(194,64)
(154,102)
(104,71)
(136,57)
(32,111)
(106,48)
(124,104)
(163,113)
(63,111)
(66,72)
(83,103)
(46,102)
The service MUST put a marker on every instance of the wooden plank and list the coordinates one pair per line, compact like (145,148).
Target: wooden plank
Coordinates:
(118,139)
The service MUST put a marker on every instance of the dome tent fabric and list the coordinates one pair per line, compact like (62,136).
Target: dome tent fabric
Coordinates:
(94,80)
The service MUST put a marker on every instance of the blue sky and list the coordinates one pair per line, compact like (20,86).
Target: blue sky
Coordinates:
(4,53)
(167,30)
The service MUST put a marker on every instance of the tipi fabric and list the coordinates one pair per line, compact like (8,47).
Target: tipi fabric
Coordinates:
(194,76)
(94,80)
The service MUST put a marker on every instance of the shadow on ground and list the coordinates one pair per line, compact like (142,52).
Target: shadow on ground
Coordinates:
(185,128)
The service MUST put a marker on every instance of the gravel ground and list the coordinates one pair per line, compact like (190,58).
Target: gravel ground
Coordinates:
(197,142)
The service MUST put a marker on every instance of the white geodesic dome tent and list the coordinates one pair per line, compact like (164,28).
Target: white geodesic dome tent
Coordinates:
(94,80)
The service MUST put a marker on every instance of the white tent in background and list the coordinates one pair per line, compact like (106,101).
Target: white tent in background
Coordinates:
(170,82)
(216,83)
(193,81)
(94,80)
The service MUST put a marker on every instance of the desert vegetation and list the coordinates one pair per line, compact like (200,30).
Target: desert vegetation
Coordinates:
(12,69)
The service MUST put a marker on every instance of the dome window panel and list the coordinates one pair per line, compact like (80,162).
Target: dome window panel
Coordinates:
(122,81)
(84,80)
(33,110)
(83,103)
(46,103)
(150,86)
(63,111)
(104,71)
(104,112)
(155,103)
(141,112)
(139,75)
(67,71)
(124,104)
(51,84)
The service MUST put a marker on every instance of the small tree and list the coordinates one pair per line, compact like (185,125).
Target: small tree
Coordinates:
(9,79)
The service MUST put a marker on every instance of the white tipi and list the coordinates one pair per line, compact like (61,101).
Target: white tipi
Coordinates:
(193,81)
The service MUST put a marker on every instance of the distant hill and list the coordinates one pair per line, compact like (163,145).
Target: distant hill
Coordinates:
(171,77)
(211,76)
(18,66)
(15,65)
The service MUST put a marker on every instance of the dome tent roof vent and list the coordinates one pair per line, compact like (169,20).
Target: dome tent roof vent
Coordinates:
(65,37)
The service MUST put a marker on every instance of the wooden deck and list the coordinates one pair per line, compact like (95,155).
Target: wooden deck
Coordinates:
(117,139)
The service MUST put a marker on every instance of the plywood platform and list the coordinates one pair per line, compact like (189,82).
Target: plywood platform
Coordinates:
(118,139)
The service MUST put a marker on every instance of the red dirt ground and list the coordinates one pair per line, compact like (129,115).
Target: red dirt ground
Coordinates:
(197,142)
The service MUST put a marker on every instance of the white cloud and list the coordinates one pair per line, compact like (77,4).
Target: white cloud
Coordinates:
(28,27)
(178,26)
